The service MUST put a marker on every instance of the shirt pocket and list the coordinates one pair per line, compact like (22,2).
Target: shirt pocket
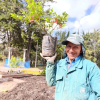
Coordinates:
(59,79)
(81,92)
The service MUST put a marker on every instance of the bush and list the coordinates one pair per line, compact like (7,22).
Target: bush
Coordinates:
(15,62)
(43,72)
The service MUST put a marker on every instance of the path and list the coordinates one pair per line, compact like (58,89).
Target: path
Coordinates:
(5,69)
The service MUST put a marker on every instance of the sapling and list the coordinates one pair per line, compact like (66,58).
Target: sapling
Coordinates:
(15,63)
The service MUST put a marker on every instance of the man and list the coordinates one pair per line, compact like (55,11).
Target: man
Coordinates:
(75,77)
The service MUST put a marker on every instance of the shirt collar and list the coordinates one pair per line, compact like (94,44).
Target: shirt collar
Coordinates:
(74,61)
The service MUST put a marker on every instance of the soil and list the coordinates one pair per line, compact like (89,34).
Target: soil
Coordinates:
(34,88)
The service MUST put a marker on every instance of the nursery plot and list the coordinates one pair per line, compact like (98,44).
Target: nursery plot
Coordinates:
(34,88)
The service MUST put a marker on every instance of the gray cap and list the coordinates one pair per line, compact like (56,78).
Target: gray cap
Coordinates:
(75,39)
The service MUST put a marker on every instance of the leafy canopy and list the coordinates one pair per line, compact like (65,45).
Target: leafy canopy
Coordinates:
(35,14)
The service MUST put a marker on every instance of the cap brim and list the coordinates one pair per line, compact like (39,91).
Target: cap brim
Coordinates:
(72,41)
(64,42)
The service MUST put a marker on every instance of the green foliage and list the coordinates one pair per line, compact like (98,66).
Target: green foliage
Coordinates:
(36,15)
(2,56)
(37,21)
(15,62)
(43,72)
(10,27)
(92,44)
(60,48)
(23,26)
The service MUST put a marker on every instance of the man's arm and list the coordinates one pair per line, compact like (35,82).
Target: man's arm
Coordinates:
(50,70)
(51,73)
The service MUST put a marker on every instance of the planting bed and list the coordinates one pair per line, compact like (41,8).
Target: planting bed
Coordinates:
(34,88)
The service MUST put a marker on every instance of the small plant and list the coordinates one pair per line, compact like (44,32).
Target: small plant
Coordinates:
(16,62)
(43,72)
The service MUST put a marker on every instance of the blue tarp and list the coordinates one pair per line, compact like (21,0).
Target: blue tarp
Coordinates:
(26,64)
(7,62)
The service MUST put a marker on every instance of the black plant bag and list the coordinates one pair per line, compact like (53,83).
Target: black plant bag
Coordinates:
(49,45)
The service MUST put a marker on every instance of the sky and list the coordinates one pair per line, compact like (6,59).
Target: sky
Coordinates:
(84,15)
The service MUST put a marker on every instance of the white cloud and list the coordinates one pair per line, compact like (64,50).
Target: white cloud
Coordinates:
(91,21)
(73,26)
(77,9)
(87,23)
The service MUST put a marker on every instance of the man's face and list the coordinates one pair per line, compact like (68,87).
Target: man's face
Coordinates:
(73,51)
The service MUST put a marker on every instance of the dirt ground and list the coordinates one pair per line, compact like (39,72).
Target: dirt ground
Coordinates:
(34,88)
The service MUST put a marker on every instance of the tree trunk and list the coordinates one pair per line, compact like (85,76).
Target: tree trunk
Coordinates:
(28,49)
(36,54)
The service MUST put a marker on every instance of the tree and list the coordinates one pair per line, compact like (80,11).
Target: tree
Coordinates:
(36,21)
(92,44)
(61,36)
(8,25)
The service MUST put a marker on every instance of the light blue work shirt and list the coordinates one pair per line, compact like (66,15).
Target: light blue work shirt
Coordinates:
(73,62)
(80,82)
